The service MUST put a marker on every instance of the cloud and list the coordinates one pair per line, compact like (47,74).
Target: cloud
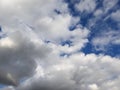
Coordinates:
(7,78)
(35,36)
(106,39)
(18,53)
(86,5)
(79,71)
(24,10)
(108,4)
(78,40)
(101,13)
(24,45)
(116,16)
(45,22)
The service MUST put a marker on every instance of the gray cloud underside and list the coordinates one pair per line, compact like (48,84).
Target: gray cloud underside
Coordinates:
(78,72)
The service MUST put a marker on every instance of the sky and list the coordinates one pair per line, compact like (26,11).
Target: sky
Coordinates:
(60,44)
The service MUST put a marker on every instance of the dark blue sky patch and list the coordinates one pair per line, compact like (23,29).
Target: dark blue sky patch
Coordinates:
(99,4)
(89,48)
(98,27)
(57,11)
(113,50)
(72,1)
(73,27)
(46,41)
(0,28)
(103,23)
(64,54)
(66,42)
(112,24)
(71,6)
(85,17)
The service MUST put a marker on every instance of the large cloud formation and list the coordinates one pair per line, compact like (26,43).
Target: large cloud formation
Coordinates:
(43,54)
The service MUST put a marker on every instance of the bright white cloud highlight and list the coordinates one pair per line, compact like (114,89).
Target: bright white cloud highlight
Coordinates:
(6,42)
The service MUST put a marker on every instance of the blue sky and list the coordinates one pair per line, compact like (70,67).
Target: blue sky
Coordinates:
(60,44)
(100,25)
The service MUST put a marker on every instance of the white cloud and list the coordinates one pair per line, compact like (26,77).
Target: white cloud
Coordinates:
(23,45)
(106,39)
(80,38)
(38,64)
(6,42)
(46,23)
(86,5)
(93,87)
(98,12)
(116,15)
(79,71)
(103,11)
(108,4)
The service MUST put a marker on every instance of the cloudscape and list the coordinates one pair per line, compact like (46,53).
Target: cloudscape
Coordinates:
(59,44)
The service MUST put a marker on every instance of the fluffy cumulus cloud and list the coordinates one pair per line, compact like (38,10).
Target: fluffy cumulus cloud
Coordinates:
(40,51)
(79,71)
